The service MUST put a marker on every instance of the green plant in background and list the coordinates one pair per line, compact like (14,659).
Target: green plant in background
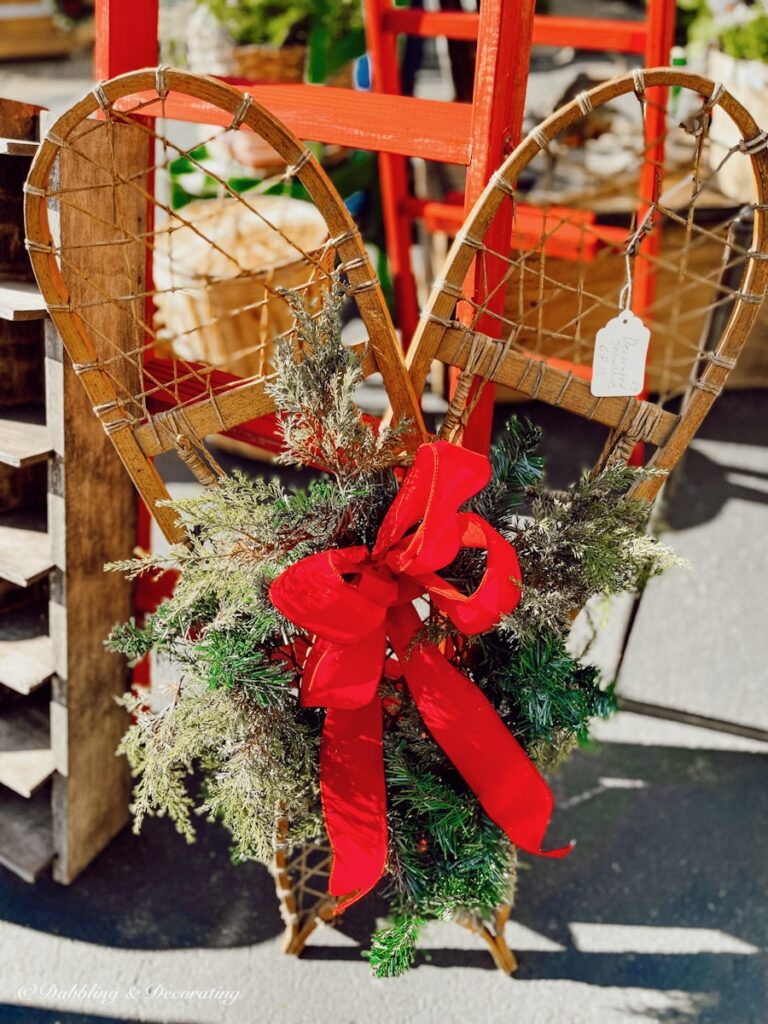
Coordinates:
(189,180)
(694,24)
(739,30)
(336,36)
(747,40)
(331,29)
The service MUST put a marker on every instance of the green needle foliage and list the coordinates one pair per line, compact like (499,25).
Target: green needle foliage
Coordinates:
(590,539)
(393,949)
(447,854)
(233,719)
(327,430)
(545,696)
(516,468)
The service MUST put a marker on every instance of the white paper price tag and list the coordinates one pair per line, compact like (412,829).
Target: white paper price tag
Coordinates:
(618,366)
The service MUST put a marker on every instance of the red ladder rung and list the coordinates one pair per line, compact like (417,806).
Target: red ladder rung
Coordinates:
(405,125)
(548,30)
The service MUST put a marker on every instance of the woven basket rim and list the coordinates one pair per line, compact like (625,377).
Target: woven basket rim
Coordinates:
(293,49)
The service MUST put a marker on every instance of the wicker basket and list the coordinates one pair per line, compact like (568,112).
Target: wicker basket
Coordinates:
(270,63)
(212,310)
(344,78)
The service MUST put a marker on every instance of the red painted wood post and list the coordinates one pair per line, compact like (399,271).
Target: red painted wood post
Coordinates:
(126,36)
(503,56)
(661,30)
(393,171)
(127,40)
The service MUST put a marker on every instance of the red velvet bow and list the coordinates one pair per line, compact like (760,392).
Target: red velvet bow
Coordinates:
(353,600)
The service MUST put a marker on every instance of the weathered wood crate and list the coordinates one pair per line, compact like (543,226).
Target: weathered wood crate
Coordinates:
(65,509)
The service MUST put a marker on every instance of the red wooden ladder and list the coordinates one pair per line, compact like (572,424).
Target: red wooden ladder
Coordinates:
(504,33)
(477,135)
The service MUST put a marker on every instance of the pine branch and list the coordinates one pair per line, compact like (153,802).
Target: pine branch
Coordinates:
(515,468)
(393,949)
(446,855)
(314,386)
(251,758)
(588,540)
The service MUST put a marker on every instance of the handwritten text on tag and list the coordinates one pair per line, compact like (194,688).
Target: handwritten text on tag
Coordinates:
(618,367)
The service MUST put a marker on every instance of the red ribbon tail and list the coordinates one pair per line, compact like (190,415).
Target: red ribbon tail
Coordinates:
(353,793)
(464,723)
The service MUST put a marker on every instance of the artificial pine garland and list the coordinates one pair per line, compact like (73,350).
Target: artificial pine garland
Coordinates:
(235,717)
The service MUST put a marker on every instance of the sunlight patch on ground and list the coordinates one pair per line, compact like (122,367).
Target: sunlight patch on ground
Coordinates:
(631,938)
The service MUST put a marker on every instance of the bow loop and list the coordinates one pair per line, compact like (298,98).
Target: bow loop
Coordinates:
(498,592)
(343,676)
(315,595)
(442,479)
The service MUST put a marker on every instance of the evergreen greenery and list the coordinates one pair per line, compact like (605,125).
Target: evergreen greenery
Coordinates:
(393,949)
(319,420)
(234,719)
(286,22)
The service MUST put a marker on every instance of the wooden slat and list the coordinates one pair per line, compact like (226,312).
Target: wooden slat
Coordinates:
(590,33)
(20,301)
(26,833)
(248,401)
(26,758)
(392,124)
(26,651)
(24,437)
(576,237)
(429,24)
(25,771)
(576,397)
(548,30)
(92,521)
(238,408)
(25,548)
(18,147)
(19,120)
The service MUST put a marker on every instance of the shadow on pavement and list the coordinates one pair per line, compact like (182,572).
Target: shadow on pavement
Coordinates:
(678,845)
(18,1014)
(153,891)
(703,487)
(667,838)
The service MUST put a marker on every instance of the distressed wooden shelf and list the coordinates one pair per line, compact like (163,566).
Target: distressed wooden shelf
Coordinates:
(25,548)
(26,651)
(24,437)
(26,758)
(21,301)
(63,793)
(26,833)
(18,147)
